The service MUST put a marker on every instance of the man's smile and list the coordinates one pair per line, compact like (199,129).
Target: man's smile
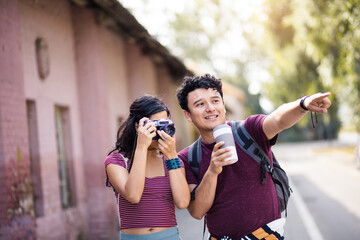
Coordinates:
(211,117)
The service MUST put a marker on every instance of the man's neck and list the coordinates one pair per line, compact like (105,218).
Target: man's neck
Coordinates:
(207,137)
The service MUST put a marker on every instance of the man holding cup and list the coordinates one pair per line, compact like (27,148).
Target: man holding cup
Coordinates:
(226,190)
(222,133)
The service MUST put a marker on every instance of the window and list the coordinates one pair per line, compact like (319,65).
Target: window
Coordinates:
(35,158)
(64,147)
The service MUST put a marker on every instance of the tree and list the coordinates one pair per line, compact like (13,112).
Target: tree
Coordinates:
(202,34)
(335,35)
(295,66)
(334,31)
(210,35)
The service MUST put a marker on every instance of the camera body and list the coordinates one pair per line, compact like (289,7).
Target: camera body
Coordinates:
(165,125)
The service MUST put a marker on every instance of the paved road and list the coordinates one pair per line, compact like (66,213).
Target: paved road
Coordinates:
(326,199)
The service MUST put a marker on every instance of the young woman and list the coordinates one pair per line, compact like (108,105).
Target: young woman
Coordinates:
(146,174)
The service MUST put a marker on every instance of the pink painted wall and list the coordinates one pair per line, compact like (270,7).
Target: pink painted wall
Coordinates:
(15,177)
(142,73)
(51,20)
(94,111)
(117,80)
(96,74)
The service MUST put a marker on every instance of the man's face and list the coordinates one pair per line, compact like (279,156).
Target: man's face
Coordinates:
(207,109)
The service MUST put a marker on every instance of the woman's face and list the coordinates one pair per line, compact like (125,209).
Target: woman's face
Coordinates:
(157,116)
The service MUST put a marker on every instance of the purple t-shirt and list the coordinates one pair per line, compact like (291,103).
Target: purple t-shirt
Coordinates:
(156,207)
(242,204)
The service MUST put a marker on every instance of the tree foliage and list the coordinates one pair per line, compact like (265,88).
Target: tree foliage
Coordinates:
(308,46)
(335,35)
(305,48)
(204,31)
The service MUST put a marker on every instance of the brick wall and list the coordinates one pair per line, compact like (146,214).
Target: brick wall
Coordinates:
(141,72)
(94,112)
(16,206)
(52,21)
(94,74)
(116,76)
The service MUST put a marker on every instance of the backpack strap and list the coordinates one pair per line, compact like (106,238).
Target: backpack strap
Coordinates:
(249,145)
(194,156)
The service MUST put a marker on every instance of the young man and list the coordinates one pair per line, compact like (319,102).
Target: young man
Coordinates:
(235,203)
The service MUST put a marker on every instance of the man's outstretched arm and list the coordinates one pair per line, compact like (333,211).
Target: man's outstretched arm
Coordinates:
(288,114)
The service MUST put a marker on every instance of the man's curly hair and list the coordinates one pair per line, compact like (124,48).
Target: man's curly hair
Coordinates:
(192,83)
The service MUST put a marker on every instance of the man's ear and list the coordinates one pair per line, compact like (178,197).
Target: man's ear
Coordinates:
(187,116)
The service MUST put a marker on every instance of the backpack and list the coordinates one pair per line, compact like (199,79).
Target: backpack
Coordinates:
(248,144)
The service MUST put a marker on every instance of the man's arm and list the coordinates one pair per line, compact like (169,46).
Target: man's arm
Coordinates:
(290,113)
(204,196)
(205,192)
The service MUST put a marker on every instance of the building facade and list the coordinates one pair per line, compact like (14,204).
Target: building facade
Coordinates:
(68,73)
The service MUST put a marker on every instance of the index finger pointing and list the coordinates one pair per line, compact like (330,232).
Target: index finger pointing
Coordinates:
(323,95)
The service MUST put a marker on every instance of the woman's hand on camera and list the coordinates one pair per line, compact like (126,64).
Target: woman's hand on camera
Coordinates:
(167,144)
(146,131)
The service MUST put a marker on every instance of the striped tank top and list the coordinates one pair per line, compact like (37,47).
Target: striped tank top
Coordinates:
(156,207)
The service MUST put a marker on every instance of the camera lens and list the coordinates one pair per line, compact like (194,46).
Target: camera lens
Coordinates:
(169,129)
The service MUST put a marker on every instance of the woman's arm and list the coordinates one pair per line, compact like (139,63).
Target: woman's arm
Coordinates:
(131,185)
(179,188)
(178,183)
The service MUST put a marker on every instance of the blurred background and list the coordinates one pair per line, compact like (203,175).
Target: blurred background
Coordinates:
(69,70)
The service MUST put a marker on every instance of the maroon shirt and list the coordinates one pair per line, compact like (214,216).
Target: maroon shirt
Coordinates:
(242,204)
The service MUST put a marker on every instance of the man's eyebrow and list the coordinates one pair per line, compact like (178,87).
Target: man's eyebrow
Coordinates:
(197,101)
(215,96)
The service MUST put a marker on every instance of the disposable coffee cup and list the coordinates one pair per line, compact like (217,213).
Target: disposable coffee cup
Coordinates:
(223,133)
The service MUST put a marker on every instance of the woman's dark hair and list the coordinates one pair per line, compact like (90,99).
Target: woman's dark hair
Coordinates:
(144,106)
(192,83)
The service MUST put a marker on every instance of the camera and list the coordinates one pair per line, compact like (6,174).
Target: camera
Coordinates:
(165,125)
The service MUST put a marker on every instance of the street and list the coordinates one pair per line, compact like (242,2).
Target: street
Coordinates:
(325,203)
